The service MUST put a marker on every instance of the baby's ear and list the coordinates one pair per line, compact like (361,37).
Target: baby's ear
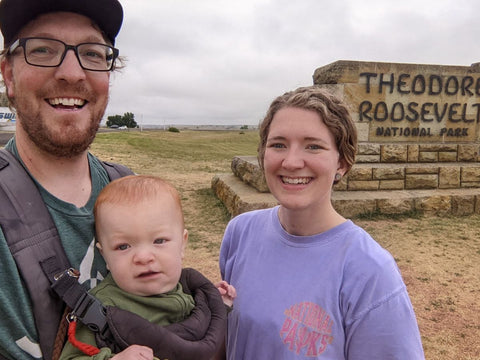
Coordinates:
(184,242)
(99,247)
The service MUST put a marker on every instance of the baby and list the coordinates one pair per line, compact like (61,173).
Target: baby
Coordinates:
(141,235)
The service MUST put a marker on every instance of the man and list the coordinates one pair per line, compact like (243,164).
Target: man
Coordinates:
(56,64)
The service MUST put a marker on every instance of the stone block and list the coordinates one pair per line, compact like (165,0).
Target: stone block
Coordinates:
(412,153)
(423,181)
(449,177)
(421,170)
(391,185)
(367,159)
(368,149)
(435,205)
(437,147)
(473,184)
(337,72)
(363,185)
(477,204)
(362,130)
(470,174)
(248,170)
(463,205)
(393,153)
(427,156)
(468,152)
(352,208)
(388,173)
(447,156)
(238,197)
(395,206)
(360,173)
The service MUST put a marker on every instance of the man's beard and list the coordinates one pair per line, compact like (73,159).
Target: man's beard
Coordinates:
(69,144)
(63,141)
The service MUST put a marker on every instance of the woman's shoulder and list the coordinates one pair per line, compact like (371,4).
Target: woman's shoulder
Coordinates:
(260,215)
(363,247)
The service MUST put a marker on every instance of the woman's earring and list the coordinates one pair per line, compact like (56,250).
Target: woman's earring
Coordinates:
(338,177)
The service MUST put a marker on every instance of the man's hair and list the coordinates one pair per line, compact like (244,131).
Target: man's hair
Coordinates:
(332,111)
(134,189)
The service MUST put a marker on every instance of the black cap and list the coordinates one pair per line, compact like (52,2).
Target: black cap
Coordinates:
(15,14)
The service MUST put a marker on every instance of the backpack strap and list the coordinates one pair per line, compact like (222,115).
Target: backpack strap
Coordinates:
(35,245)
(32,238)
(116,171)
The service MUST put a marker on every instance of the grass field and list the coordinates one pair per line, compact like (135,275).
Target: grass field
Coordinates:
(439,257)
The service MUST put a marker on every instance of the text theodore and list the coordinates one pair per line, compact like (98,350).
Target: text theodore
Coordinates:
(426,102)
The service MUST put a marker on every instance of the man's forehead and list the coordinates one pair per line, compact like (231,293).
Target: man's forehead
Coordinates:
(54,24)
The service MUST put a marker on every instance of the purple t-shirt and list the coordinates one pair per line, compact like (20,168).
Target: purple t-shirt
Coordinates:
(335,295)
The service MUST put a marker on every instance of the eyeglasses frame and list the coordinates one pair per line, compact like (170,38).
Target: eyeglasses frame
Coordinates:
(20,42)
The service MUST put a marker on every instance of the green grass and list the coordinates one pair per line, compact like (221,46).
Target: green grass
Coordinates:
(193,146)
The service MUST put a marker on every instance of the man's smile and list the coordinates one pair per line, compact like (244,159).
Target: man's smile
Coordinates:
(67,103)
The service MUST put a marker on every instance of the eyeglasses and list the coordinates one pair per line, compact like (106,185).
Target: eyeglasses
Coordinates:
(47,52)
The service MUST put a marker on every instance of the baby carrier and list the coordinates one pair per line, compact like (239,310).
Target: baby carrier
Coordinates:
(36,247)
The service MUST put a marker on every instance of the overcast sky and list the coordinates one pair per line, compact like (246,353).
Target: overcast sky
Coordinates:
(224,61)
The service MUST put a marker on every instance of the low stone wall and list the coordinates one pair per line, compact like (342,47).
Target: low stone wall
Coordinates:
(380,176)
(413,153)
(239,197)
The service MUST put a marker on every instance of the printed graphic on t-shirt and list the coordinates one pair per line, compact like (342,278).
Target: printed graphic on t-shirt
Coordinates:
(307,329)
(88,272)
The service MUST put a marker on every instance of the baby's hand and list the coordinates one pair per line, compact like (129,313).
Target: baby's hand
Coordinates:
(227,291)
(135,352)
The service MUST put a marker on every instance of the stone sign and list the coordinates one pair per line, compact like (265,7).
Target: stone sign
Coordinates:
(394,102)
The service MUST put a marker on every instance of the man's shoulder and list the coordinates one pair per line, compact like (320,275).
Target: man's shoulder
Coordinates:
(113,170)
(12,172)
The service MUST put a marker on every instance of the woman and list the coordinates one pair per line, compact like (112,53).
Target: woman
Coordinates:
(310,283)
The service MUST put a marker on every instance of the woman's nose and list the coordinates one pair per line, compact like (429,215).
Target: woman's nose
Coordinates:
(293,159)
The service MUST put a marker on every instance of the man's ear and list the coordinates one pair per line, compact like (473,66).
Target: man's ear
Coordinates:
(7,74)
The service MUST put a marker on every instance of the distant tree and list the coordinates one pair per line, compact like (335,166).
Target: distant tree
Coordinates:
(128,120)
(114,120)
(173,129)
(244,127)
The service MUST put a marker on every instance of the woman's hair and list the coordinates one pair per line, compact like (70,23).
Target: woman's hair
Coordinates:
(333,112)
(133,189)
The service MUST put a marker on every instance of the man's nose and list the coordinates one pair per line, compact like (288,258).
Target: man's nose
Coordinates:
(70,68)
